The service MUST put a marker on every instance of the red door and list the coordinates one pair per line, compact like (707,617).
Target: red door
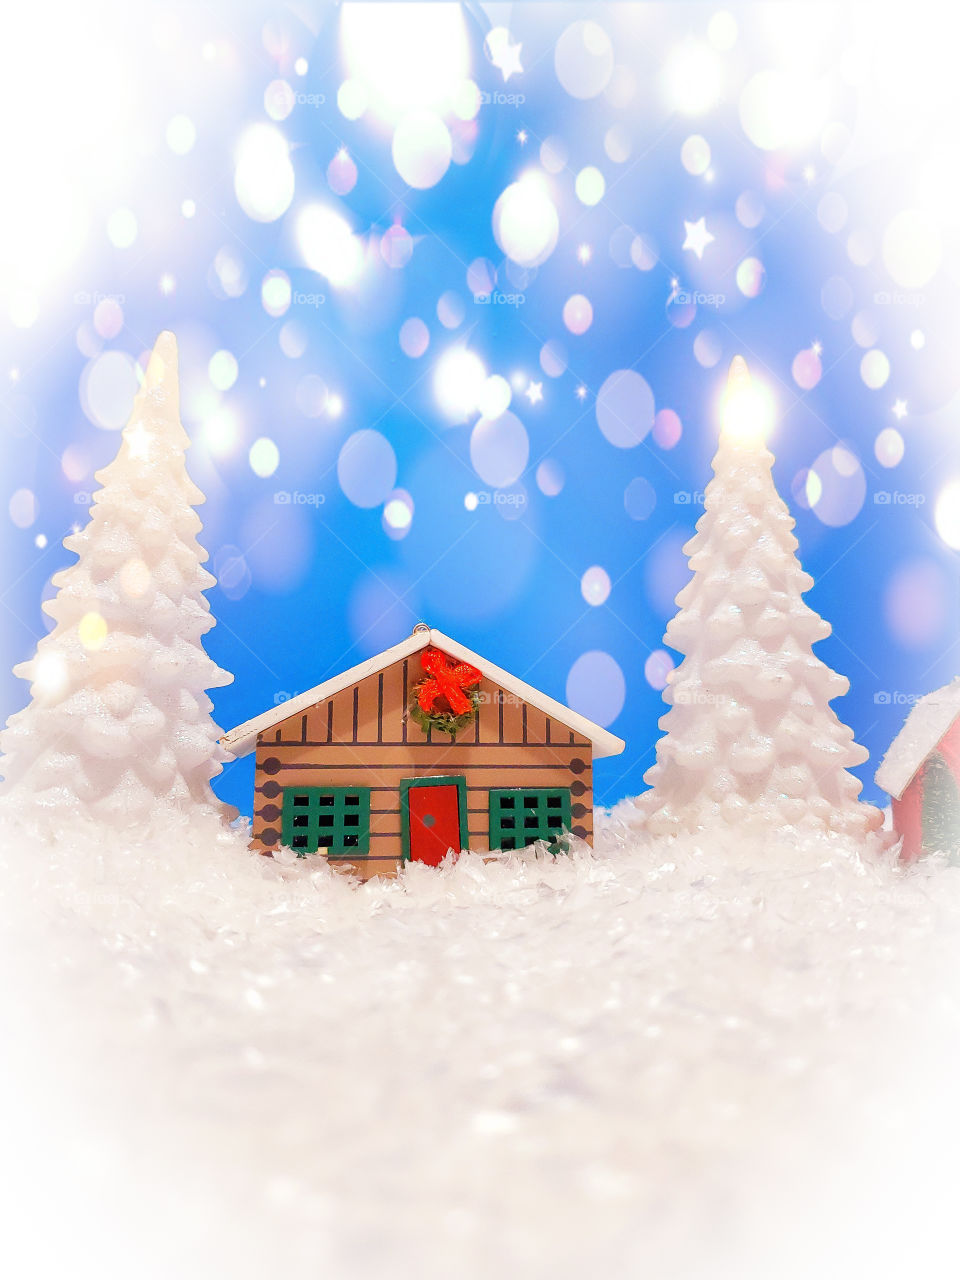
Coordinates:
(433,811)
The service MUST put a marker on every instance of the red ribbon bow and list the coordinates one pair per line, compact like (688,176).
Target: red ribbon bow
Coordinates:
(447,680)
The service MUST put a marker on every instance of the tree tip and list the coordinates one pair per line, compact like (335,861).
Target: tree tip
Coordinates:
(739,375)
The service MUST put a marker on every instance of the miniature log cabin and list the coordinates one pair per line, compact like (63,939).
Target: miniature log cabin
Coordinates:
(424,749)
(921,774)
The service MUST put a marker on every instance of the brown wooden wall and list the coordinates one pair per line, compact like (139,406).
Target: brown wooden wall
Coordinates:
(363,737)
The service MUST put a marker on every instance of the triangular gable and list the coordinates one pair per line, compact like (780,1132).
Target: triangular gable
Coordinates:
(925,727)
(241,740)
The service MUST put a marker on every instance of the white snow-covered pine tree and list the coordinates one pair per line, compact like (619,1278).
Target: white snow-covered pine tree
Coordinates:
(751,739)
(118,729)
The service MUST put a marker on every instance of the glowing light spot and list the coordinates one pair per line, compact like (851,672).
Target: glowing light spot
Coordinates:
(279,99)
(583,59)
(751,277)
(495,397)
(695,154)
(667,428)
(499,449)
(275,293)
(617,145)
(341,173)
(263,178)
(550,477)
(918,339)
(181,135)
(458,383)
(836,487)
(749,209)
(471,501)
(292,340)
(301,66)
(889,447)
(107,387)
(782,109)
(874,369)
(865,329)
(553,155)
(122,228)
(553,359)
(450,310)
(625,408)
(693,79)
(264,457)
(657,668)
(596,687)
(23,508)
(188,208)
(367,468)
(223,370)
(398,513)
(220,432)
(595,585)
(352,99)
(832,212)
(414,337)
(747,407)
(92,631)
(422,149)
(108,318)
(946,515)
(707,348)
(311,396)
(643,253)
(481,277)
(722,31)
(912,248)
(396,247)
(590,185)
(51,678)
(639,498)
(525,221)
(328,245)
(807,369)
(578,313)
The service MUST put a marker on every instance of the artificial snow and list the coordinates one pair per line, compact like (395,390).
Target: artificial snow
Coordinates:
(664,1058)
(929,721)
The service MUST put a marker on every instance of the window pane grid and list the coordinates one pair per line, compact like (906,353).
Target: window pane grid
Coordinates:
(518,818)
(331,820)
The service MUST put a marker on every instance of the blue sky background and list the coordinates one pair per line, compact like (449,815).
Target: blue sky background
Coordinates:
(819,167)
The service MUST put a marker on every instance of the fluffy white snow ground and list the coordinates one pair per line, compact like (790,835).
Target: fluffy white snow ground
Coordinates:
(643,1062)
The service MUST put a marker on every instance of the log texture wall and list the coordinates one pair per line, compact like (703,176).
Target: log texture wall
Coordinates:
(362,736)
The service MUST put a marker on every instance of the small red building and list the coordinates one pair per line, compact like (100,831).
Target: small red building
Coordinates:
(921,774)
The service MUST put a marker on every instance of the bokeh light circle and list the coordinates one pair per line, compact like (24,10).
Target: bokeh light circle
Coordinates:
(590,185)
(751,277)
(275,293)
(553,359)
(23,508)
(836,487)
(223,370)
(414,337)
(451,310)
(481,277)
(495,396)
(263,177)
(695,154)
(707,348)
(946,514)
(367,468)
(264,457)
(889,447)
(625,408)
(550,477)
(499,449)
(807,369)
(912,248)
(657,669)
(639,498)
(578,313)
(583,59)
(107,387)
(525,222)
(667,428)
(422,149)
(279,99)
(311,395)
(874,369)
(595,585)
(458,382)
(342,173)
(596,687)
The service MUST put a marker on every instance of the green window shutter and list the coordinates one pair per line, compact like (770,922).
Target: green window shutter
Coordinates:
(518,817)
(331,820)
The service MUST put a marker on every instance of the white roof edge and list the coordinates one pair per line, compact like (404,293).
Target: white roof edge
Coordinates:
(241,740)
(929,720)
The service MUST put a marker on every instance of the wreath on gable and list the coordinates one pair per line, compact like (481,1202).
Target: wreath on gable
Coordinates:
(447,698)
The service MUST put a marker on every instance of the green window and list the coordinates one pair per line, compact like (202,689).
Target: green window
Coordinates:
(517,818)
(335,820)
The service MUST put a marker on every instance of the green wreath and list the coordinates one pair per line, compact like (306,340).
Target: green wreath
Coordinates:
(445,721)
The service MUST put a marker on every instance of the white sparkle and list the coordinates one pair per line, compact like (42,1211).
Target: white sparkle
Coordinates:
(522,136)
(581,392)
(534,392)
(504,55)
(816,348)
(584,253)
(697,236)
(899,409)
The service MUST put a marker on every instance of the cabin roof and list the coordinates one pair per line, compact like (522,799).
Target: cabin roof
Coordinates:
(924,728)
(241,740)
